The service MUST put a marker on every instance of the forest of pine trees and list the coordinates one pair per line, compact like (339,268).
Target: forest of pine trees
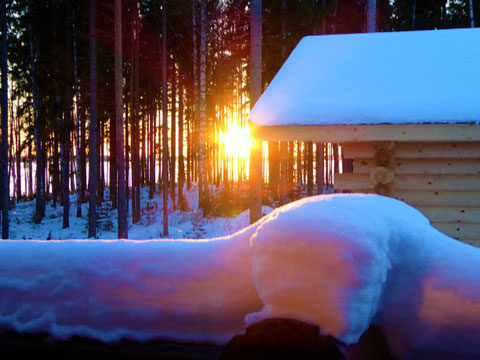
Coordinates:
(119,95)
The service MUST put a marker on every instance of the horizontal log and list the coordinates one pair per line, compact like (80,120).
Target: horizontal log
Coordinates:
(409,150)
(475,242)
(423,166)
(349,181)
(438,198)
(452,214)
(464,232)
(355,133)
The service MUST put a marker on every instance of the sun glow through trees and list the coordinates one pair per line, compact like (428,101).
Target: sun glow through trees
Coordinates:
(235,143)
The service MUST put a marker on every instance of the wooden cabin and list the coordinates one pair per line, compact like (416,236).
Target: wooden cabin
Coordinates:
(405,106)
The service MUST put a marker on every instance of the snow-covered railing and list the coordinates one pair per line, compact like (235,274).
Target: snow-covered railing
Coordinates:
(342,262)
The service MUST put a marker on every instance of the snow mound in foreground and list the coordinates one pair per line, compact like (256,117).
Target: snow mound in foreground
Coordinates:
(342,262)
(182,290)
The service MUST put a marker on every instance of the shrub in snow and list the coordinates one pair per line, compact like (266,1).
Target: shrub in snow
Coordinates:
(340,262)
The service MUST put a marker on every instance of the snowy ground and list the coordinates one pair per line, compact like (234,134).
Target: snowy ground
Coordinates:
(182,224)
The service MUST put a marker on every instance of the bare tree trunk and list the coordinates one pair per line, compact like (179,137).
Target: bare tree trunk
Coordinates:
(152,156)
(101,161)
(93,155)
(173,136)
(83,155)
(195,96)
(55,166)
(203,196)
(113,160)
(320,166)
(132,109)
(371,15)
(136,121)
(255,91)
(65,125)
(309,161)
(77,124)
(283,172)
(65,165)
(30,169)
(472,19)
(181,165)
(18,159)
(122,206)
(164,119)
(127,156)
(4,108)
(38,140)
(414,14)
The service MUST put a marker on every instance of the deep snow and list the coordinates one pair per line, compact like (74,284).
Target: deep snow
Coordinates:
(342,262)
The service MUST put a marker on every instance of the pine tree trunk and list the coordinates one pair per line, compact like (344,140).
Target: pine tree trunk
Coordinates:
(83,155)
(414,14)
(181,164)
(255,92)
(320,164)
(203,196)
(152,156)
(101,161)
(472,19)
(136,130)
(77,126)
(144,167)
(65,125)
(127,156)
(113,157)
(30,170)
(309,168)
(173,136)
(122,205)
(65,155)
(54,169)
(371,15)
(18,159)
(93,157)
(164,120)
(195,119)
(4,108)
(132,108)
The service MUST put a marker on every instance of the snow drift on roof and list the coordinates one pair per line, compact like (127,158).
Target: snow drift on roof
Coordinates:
(376,78)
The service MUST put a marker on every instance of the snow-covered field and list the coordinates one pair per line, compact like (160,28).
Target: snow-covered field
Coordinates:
(188,224)
(343,262)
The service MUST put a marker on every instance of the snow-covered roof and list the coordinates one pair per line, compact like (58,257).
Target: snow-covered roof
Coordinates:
(377,78)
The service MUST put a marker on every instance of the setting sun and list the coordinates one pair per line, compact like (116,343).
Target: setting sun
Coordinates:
(237,141)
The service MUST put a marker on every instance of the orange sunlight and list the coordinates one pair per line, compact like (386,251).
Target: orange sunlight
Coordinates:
(235,143)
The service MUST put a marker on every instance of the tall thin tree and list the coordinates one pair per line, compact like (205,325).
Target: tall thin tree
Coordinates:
(4,108)
(255,91)
(77,124)
(93,154)
(371,15)
(165,120)
(472,19)
(122,204)
(203,196)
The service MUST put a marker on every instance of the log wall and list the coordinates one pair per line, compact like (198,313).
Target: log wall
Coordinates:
(441,179)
